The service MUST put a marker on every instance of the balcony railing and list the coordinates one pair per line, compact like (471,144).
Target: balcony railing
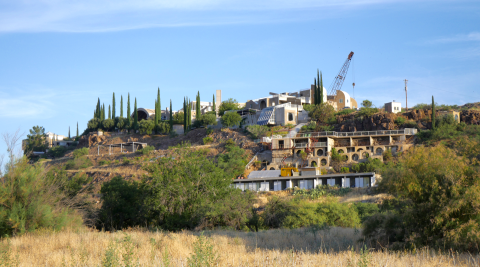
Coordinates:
(320,144)
(302,145)
(408,131)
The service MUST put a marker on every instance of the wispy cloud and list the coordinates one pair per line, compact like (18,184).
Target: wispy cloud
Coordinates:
(27,105)
(109,15)
(473,36)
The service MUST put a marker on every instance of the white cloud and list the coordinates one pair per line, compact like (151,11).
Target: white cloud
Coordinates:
(109,15)
(28,105)
(473,36)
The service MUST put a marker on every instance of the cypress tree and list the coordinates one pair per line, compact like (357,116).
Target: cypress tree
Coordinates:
(103,112)
(159,105)
(128,110)
(318,87)
(135,116)
(68,132)
(214,107)
(156,116)
(189,116)
(321,89)
(315,97)
(113,107)
(197,106)
(184,116)
(98,111)
(433,114)
(121,106)
(171,116)
(77,129)
(109,112)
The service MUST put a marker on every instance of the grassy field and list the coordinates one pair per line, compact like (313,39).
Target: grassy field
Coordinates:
(302,247)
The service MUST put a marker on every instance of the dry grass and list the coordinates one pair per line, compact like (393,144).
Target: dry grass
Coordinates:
(300,247)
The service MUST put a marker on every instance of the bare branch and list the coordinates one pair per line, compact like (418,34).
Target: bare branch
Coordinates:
(11,140)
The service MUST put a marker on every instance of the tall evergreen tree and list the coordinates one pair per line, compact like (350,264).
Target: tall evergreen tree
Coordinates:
(68,132)
(184,116)
(315,93)
(189,109)
(121,106)
(171,116)
(109,112)
(433,114)
(321,89)
(214,107)
(98,111)
(77,129)
(128,110)
(103,112)
(197,107)
(113,107)
(135,116)
(156,116)
(159,105)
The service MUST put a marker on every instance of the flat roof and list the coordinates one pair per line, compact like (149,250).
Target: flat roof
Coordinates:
(339,175)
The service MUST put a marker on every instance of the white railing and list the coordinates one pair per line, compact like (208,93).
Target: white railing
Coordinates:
(407,131)
(320,144)
(300,145)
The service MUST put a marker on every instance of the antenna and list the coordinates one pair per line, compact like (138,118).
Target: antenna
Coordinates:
(406,96)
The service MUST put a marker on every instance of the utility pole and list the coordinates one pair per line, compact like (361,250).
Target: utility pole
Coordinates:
(406,97)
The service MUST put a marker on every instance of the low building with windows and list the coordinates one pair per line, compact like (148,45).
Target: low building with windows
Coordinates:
(393,107)
(355,146)
(455,114)
(273,181)
(343,100)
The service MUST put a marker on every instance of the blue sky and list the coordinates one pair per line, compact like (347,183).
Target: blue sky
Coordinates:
(58,56)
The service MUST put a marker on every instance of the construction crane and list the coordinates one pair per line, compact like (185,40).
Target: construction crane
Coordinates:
(338,82)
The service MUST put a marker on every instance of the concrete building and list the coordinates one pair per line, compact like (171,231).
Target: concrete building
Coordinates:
(356,146)
(343,100)
(393,107)
(273,181)
(455,114)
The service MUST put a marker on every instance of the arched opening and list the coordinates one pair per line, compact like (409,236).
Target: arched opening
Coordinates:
(142,115)
(290,116)
(365,155)
(379,151)
(272,168)
(320,152)
(341,151)
(263,104)
(323,162)
(298,153)
(346,158)
(313,164)
(360,149)
(355,157)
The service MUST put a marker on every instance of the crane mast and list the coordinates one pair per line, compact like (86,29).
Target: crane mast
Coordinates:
(338,82)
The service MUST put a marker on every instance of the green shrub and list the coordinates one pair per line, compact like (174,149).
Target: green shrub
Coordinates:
(298,213)
(366,112)
(103,162)
(203,253)
(78,163)
(122,202)
(366,210)
(125,161)
(207,140)
(146,150)
(117,162)
(345,112)
(230,119)
(410,124)
(57,151)
(29,201)
(310,127)
(400,120)
(257,131)
(80,152)
(146,126)
(210,131)
(345,170)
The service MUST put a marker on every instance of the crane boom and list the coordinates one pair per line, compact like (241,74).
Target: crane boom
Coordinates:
(338,82)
